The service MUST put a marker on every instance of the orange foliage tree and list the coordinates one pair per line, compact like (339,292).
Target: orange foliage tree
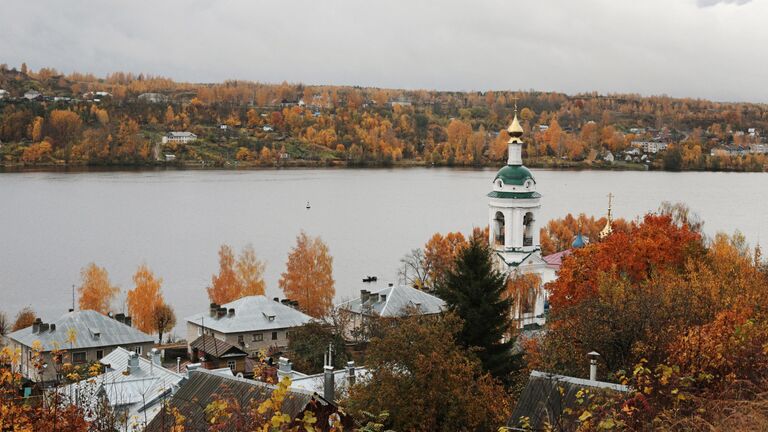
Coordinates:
(308,277)
(558,234)
(652,245)
(657,293)
(250,272)
(237,278)
(24,319)
(65,127)
(224,287)
(36,152)
(440,253)
(144,298)
(96,291)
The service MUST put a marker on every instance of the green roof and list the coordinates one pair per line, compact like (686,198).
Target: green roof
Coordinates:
(514,175)
(514,195)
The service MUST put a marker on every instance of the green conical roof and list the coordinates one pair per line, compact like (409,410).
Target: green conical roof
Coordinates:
(514,175)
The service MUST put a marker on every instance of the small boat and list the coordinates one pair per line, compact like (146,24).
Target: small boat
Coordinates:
(308,206)
(370,279)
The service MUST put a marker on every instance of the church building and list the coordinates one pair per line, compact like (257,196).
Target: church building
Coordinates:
(513,217)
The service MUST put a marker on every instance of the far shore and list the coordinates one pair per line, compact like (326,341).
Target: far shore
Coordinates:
(320,164)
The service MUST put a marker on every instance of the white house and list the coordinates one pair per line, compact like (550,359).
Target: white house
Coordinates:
(153,97)
(135,387)
(252,323)
(179,137)
(650,146)
(33,95)
(3,94)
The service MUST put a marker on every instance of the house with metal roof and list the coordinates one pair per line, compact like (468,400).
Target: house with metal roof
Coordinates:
(555,402)
(152,97)
(134,386)
(394,301)
(84,337)
(252,323)
(391,302)
(214,353)
(179,137)
(342,379)
(33,95)
(204,387)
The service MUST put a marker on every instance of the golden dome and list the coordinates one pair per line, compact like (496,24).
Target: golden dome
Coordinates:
(514,128)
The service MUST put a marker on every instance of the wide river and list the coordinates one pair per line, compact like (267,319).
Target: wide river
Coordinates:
(53,224)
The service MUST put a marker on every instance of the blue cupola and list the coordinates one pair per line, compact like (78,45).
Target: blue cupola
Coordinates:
(578,242)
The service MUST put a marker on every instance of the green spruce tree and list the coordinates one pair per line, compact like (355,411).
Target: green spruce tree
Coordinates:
(474,290)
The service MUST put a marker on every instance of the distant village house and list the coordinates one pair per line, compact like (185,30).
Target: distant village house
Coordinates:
(179,137)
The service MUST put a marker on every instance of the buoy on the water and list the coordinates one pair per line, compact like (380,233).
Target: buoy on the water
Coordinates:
(308,206)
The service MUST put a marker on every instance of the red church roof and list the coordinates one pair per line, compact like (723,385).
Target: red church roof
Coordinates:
(556,259)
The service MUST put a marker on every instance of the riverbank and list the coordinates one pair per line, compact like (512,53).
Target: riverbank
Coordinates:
(536,163)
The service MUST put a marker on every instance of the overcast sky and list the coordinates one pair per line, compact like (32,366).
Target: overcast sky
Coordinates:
(693,48)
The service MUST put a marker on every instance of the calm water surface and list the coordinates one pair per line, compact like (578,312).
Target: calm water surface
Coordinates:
(52,224)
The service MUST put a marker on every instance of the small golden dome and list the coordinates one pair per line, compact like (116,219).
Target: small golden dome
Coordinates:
(514,129)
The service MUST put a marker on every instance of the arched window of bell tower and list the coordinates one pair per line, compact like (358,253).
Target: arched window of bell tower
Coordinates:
(528,229)
(498,229)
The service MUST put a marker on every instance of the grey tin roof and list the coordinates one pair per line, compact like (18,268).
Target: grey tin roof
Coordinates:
(137,392)
(204,387)
(91,329)
(546,397)
(252,313)
(396,301)
(180,134)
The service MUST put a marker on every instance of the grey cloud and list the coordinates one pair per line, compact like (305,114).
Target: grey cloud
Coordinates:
(562,45)
(707,3)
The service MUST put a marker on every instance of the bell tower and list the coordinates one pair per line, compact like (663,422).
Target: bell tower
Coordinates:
(514,206)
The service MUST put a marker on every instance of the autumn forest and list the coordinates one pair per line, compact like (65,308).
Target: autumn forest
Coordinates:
(52,119)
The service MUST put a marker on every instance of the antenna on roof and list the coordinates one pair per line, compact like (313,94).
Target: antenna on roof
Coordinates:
(73,297)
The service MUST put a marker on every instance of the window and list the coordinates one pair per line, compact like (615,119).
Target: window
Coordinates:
(99,354)
(274,335)
(137,349)
(258,337)
(240,339)
(199,331)
(287,335)
(231,365)
(78,357)
(59,377)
